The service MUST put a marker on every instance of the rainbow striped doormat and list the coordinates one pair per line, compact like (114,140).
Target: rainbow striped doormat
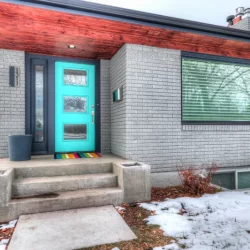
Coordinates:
(76,155)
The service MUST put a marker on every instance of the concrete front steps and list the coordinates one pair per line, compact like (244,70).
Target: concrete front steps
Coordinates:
(63,170)
(68,200)
(54,188)
(43,185)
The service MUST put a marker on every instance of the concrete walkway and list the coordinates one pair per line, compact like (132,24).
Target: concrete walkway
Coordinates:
(70,229)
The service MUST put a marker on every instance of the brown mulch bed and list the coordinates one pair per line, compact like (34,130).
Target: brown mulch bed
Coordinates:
(160,194)
(148,236)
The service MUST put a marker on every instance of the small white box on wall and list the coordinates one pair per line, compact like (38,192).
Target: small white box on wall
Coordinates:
(118,94)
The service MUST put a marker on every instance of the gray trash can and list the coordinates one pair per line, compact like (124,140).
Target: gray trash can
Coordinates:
(20,147)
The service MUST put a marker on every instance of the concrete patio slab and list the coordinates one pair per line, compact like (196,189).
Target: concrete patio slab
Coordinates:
(70,229)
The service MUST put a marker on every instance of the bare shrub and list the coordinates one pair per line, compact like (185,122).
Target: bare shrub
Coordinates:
(196,179)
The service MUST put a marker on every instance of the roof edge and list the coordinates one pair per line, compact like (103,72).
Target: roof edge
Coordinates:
(145,17)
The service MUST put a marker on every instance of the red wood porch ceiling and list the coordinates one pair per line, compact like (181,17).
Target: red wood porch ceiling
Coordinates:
(48,32)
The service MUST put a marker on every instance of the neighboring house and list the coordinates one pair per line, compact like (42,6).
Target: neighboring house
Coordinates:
(241,20)
(185,85)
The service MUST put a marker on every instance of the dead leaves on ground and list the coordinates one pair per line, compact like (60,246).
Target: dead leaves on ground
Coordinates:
(6,233)
(160,194)
(148,236)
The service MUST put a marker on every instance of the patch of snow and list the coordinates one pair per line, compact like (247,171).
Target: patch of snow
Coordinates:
(167,207)
(172,246)
(120,208)
(171,224)
(11,224)
(4,242)
(219,221)
(116,248)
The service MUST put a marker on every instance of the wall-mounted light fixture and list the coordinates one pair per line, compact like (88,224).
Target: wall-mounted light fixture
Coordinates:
(14,77)
(71,46)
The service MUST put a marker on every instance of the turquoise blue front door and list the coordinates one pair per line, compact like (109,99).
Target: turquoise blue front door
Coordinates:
(74,107)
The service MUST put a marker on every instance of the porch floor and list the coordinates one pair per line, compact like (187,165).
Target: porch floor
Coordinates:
(48,160)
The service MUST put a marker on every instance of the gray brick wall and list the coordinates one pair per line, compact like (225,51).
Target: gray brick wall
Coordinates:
(105,107)
(12,100)
(118,110)
(151,127)
(244,24)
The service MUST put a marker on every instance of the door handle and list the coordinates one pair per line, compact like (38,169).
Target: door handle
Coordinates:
(93,117)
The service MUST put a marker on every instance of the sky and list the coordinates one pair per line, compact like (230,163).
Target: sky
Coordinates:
(206,11)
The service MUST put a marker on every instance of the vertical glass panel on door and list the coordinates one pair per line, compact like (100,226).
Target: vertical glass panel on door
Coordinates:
(75,131)
(75,77)
(75,104)
(243,180)
(39,111)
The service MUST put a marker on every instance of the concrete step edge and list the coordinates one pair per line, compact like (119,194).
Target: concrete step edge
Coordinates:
(83,193)
(65,201)
(63,170)
(50,179)
(38,186)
